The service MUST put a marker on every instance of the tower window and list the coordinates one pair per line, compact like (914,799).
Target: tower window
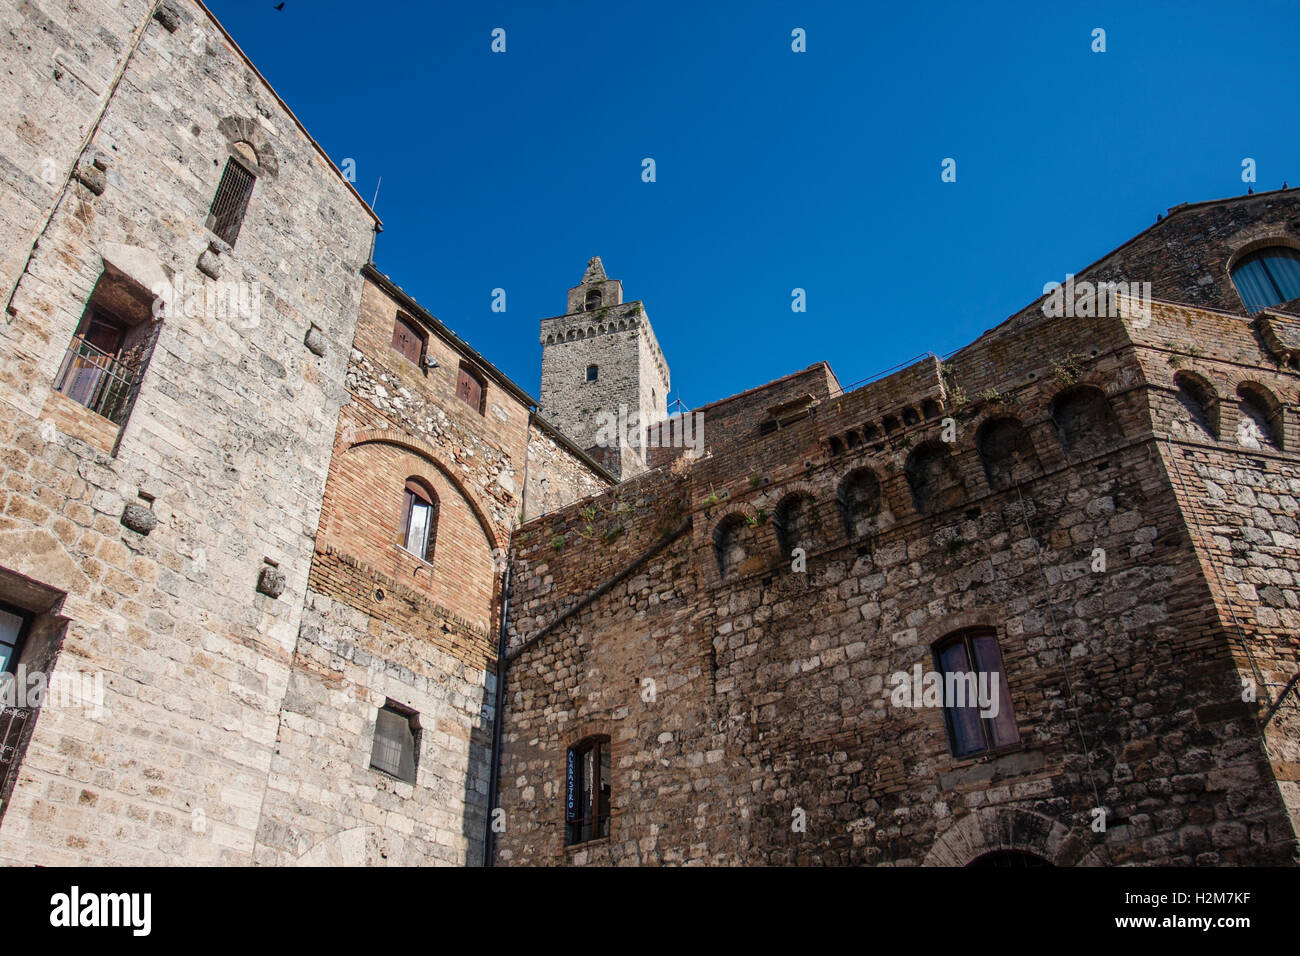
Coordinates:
(396,743)
(231,201)
(587,791)
(592,373)
(593,300)
(419,520)
(971,665)
(471,389)
(1268,277)
(407,338)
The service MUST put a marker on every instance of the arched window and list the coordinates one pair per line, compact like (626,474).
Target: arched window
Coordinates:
(1007,452)
(1084,421)
(1267,277)
(859,498)
(1197,413)
(419,519)
(593,300)
(796,524)
(587,791)
(593,372)
(933,476)
(1260,421)
(976,699)
(728,544)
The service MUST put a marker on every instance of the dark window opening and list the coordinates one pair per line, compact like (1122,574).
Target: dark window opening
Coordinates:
(859,500)
(407,338)
(1084,421)
(593,300)
(592,373)
(397,742)
(587,791)
(934,478)
(1008,859)
(1007,453)
(973,658)
(231,201)
(729,544)
(471,389)
(797,525)
(419,520)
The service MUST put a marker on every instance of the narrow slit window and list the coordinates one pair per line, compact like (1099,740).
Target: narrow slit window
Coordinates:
(593,372)
(231,201)
(587,791)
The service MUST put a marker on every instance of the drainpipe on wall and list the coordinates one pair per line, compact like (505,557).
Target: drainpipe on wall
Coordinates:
(489,835)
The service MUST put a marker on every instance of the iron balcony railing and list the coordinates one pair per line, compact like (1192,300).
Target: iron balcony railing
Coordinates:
(96,379)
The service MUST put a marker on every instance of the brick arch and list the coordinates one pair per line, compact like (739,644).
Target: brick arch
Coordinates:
(427,452)
(797,521)
(1255,245)
(1008,828)
(1006,450)
(1200,401)
(1254,393)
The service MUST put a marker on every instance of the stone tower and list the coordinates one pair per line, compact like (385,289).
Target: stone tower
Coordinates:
(604,377)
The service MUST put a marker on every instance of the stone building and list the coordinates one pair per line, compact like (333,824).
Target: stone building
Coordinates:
(307,579)
(267,628)
(1094,511)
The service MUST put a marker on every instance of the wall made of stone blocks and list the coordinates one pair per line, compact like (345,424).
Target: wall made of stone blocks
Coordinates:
(228,441)
(770,686)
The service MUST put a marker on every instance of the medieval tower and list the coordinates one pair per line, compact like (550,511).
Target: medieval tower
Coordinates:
(604,377)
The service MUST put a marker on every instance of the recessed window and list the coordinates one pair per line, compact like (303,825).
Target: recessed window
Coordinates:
(977,702)
(396,745)
(111,347)
(587,791)
(471,389)
(407,338)
(231,201)
(1268,277)
(593,300)
(593,373)
(13,627)
(419,520)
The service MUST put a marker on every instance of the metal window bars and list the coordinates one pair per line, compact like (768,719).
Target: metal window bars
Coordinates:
(94,378)
(231,201)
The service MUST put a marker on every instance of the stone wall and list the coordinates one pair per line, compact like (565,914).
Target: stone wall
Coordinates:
(225,449)
(742,695)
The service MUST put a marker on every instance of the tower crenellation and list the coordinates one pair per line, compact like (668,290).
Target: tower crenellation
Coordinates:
(604,375)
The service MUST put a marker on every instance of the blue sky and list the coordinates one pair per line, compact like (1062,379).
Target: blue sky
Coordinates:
(775,169)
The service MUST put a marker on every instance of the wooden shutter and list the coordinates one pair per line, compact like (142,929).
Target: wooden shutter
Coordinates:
(406,339)
(470,390)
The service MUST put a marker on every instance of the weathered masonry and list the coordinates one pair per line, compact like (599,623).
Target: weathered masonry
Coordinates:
(290,573)
(1099,513)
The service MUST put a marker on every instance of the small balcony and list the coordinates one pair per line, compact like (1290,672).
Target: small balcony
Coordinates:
(99,380)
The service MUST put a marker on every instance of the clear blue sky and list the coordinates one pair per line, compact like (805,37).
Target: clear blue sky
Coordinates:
(775,169)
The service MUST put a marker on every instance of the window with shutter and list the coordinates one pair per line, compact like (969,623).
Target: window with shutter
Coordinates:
(972,657)
(396,742)
(470,389)
(407,338)
(587,791)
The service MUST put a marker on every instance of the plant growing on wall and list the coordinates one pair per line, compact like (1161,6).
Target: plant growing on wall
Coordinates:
(557,542)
